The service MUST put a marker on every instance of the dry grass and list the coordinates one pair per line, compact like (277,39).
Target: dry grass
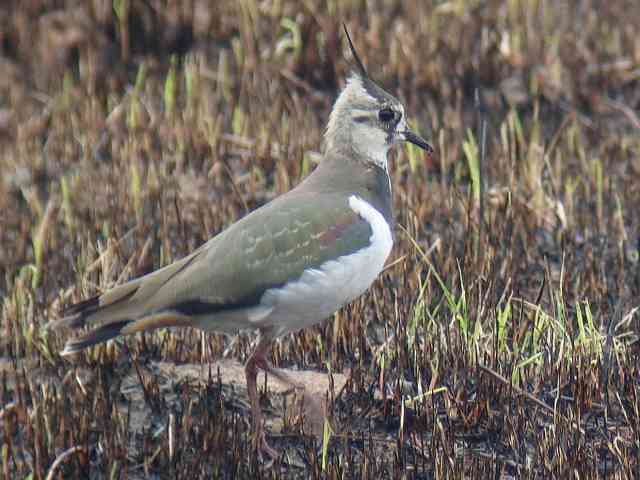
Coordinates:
(500,342)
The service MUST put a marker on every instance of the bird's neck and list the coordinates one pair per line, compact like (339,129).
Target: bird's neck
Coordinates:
(344,170)
(365,144)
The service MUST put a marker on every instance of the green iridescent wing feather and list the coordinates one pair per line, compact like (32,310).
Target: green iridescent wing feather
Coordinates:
(234,269)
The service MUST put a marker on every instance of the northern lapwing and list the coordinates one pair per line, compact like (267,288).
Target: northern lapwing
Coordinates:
(287,265)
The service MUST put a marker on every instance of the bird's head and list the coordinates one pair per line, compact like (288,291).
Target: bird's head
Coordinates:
(368,119)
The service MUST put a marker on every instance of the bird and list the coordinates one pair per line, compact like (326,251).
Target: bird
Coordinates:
(287,265)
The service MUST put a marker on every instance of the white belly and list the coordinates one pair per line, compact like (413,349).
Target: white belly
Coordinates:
(321,291)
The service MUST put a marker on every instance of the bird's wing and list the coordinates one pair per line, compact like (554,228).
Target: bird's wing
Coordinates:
(268,248)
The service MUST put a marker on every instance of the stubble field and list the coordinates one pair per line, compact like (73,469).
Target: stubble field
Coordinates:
(501,341)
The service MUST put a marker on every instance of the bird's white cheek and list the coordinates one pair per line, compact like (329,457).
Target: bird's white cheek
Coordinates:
(372,143)
(402,127)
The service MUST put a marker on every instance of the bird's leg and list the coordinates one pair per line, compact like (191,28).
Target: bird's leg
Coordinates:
(257,361)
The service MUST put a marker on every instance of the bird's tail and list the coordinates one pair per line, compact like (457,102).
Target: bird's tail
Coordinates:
(101,334)
(125,309)
(111,312)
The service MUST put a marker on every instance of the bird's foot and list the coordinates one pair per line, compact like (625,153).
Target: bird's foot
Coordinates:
(266,454)
(314,411)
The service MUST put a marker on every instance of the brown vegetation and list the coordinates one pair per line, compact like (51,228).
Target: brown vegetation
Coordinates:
(500,342)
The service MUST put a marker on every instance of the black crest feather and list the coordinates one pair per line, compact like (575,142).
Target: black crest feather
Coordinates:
(363,71)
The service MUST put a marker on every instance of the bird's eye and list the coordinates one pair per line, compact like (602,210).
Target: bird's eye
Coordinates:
(386,115)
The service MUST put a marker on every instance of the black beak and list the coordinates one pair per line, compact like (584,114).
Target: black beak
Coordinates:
(417,140)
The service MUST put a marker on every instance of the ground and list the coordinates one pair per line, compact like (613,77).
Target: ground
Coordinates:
(501,340)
